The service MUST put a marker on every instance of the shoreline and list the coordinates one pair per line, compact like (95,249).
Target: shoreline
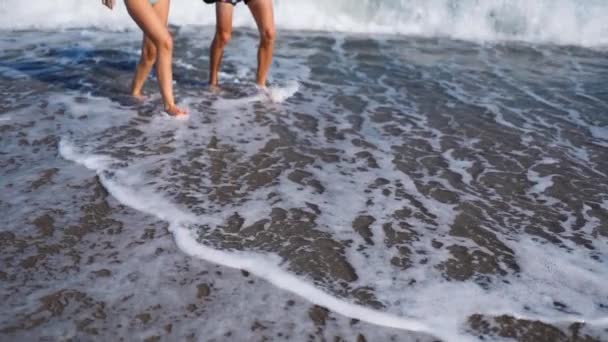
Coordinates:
(424,178)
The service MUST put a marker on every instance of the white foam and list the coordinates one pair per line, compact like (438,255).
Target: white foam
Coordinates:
(270,271)
(434,310)
(92,162)
(459,166)
(274,94)
(580,22)
(243,127)
(278,94)
(601,134)
(265,266)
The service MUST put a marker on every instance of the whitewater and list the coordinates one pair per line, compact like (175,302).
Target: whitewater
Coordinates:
(568,22)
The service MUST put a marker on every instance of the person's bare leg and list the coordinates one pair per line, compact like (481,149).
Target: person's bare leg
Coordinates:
(148,52)
(223,32)
(263,14)
(144,66)
(146,18)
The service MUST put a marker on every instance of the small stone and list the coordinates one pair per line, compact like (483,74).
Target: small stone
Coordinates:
(203,291)
(144,317)
(318,315)
(102,273)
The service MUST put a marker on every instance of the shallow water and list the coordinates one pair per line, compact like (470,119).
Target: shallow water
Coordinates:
(444,188)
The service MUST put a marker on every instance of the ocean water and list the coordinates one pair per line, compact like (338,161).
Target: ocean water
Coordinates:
(417,170)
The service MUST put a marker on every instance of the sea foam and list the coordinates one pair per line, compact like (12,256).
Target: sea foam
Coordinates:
(576,22)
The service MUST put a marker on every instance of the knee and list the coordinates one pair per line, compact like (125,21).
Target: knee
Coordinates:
(148,55)
(267,36)
(223,37)
(165,44)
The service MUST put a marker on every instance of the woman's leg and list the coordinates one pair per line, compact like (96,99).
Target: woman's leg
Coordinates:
(146,18)
(263,14)
(148,52)
(223,31)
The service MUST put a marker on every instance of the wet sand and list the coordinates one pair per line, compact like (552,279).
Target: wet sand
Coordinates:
(80,271)
(432,162)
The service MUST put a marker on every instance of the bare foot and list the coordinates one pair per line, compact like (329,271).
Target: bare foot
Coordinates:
(214,88)
(138,96)
(264,92)
(173,110)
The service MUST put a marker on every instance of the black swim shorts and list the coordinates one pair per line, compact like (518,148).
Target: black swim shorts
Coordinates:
(233,2)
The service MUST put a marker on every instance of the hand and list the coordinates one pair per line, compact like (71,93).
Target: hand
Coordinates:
(108,3)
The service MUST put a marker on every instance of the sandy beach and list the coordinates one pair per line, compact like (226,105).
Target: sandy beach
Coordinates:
(386,187)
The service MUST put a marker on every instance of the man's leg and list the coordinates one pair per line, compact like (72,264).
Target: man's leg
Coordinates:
(263,14)
(223,31)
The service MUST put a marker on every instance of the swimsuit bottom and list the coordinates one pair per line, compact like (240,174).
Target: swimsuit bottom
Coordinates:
(232,2)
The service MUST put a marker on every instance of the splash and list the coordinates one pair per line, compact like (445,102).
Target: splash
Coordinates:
(574,22)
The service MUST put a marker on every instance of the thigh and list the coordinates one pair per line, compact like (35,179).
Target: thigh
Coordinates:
(147,19)
(223,16)
(161,7)
(262,12)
